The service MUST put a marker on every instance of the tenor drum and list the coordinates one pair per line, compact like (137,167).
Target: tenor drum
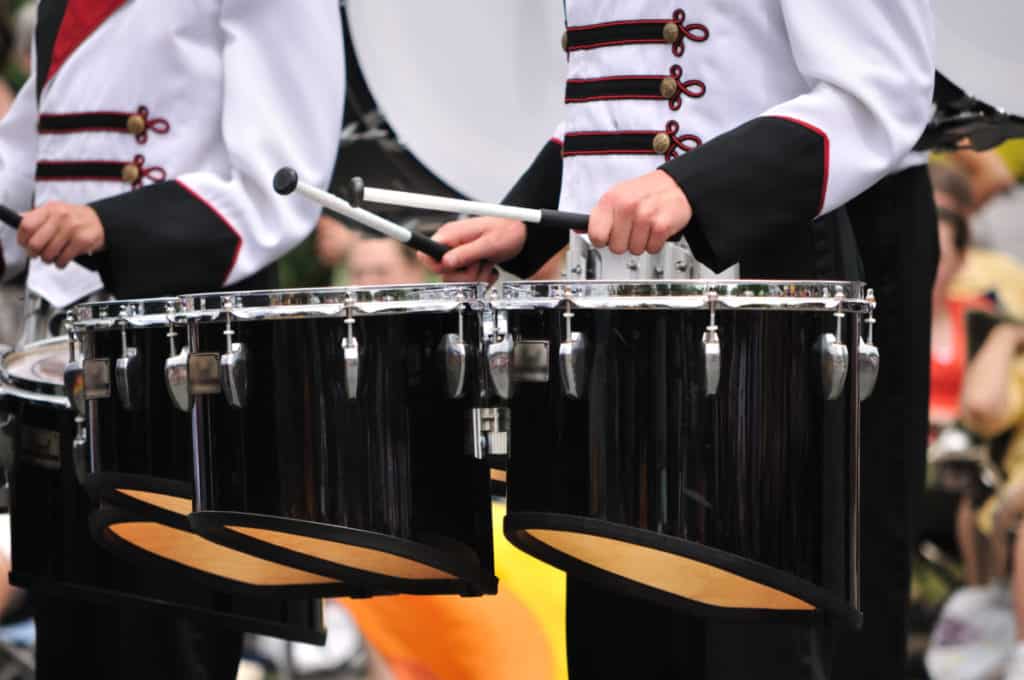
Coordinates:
(330,433)
(693,442)
(136,453)
(53,551)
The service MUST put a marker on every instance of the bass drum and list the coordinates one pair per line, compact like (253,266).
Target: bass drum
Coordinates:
(454,98)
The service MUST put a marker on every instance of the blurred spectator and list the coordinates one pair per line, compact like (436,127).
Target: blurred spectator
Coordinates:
(333,240)
(382,261)
(993,404)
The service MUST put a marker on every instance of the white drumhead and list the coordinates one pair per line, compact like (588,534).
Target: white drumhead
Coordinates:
(979,48)
(473,88)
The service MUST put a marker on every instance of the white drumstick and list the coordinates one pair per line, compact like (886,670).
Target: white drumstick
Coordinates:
(286,181)
(359,194)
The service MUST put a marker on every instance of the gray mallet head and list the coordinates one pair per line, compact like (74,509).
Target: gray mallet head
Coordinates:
(285,181)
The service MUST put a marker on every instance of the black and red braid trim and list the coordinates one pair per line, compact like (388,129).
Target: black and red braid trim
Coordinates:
(667,143)
(670,88)
(132,172)
(137,123)
(674,32)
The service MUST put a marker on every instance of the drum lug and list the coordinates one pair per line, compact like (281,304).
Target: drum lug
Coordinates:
(572,357)
(712,349)
(350,354)
(834,356)
(80,451)
(128,370)
(500,350)
(453,354)
(74,374)
(234,364)
(176,370)
(869,359)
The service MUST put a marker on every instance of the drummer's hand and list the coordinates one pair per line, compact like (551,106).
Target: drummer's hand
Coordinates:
(476,244)
(59,232)
(640,214)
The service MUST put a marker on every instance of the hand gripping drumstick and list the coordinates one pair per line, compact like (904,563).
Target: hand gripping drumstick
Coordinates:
(13,219)
(286,180)
(558,219)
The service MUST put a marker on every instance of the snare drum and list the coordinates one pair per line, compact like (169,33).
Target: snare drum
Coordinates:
(331,432)
(139,452)
(53,552)
(690,442)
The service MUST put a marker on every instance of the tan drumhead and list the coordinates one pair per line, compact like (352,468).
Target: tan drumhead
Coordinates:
(175,504)
(668,572)
(195,552)
(352,556)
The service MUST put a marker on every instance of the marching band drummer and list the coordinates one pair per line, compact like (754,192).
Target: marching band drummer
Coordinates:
(147,135)
(747,128)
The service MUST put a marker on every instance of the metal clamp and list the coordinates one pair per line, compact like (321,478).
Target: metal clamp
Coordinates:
(572,355)
(350,353)
(233,363)
(176,368)
(128,371)
(453,354)
(869,359)
(711,348)
(74,373)
(500,350)
(834,355)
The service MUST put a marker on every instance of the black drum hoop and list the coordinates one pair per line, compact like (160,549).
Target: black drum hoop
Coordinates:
(106,515)
(517,524)
(470,579)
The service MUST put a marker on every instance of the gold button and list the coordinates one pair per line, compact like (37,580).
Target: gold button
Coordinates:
(565,41)
(661,143)
(669,88)
(670,33)
(130,173)
(136,124)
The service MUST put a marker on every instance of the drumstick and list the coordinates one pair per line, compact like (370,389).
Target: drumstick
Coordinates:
(558,219)
(13,219)
(286,180)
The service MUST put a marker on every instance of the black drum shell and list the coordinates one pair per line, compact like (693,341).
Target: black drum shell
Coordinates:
(760,480)
(53,551)
(390,470)
(147,448)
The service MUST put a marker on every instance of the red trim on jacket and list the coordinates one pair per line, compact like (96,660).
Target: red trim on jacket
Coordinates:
(81,18)
(824,137)
(220,216)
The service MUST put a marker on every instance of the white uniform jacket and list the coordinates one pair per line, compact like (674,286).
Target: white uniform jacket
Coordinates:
(768,113)
(170,119)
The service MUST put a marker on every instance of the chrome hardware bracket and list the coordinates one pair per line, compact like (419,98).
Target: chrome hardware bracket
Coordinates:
(74,374)
(350,353)
(128,372)
(834,356)
(234,374)
(869,359)
(572,355)
(711,348)
(176,368)
(80,450)
(453,353)
(500,350)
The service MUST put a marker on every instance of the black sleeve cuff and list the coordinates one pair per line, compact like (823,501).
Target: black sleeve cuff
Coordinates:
(748,186)
(539,187)
(164,240)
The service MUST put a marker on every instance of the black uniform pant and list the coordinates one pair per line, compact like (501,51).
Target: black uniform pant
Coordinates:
(893,227)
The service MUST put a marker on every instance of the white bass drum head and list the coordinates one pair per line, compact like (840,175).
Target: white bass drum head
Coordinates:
(473,88)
